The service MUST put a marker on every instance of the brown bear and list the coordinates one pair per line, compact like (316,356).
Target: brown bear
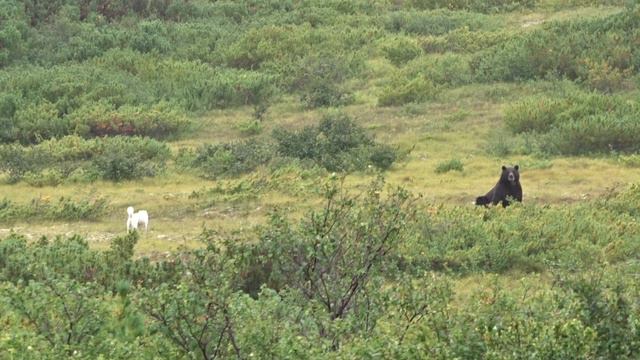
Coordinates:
(508,185)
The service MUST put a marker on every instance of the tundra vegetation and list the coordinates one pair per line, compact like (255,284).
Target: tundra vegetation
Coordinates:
(308,167)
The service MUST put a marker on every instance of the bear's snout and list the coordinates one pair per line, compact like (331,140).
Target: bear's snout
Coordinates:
(511,177)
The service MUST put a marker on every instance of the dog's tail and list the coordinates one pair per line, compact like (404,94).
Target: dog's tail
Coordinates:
(482,200)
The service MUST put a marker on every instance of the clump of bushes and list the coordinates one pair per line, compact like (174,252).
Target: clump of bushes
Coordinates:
(577,122)
(337,144)
(400,50)
(600,55)
(65,208)
(231,159)
(403,89)
(422,78)
(437,22)
(122,158)
(73,158)
(103,119)
(320,79)
(450,165)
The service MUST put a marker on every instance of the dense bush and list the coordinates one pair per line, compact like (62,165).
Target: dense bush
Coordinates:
(436,22)
(320,79)
(13,31)
(231,159)
(46,104)
(74,159)
(400,50)
(402,89)
(588,50)
(120,158)
(423,78)
(101,119)
(63,209)
(577,122)
(337,144)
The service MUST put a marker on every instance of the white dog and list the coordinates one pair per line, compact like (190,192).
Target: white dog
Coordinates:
(136,218)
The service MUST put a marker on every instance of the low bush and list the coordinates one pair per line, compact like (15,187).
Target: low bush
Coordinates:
(632,161)
(250,128)
(337,144)
(438,22)
(404,90)
(598,52)
(451,165)
(231,159)
(102,119)
(422,78)
(65,209)
(529,237)
(400,50)
(321,79)
(117,158)
(122,158)
(577,122)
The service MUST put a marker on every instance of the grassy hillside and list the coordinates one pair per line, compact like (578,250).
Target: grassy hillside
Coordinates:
(416,76)
(229,120)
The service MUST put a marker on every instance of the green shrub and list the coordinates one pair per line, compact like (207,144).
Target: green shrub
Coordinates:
(337,144)
(13,31)
(604,77)
(48,177)
(231,159)
(101,119)
(383,156)
(595,134)
(35,123)
(422,78)
(537,113)
(122,158)
(116,158)
(320,79)
(249,128)
(268,44)
(390,267)
(545,52)
(400,50)
(632,161)
(450,165)
(576,122)
(437,22)
(448,69)
(66,209)
(403,90)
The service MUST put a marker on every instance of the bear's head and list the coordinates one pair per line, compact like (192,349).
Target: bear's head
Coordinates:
(510,175)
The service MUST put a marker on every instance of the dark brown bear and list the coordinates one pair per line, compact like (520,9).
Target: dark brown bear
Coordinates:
(508,185)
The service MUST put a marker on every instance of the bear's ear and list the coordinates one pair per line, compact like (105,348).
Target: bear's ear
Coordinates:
(517,167)
(504,167)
